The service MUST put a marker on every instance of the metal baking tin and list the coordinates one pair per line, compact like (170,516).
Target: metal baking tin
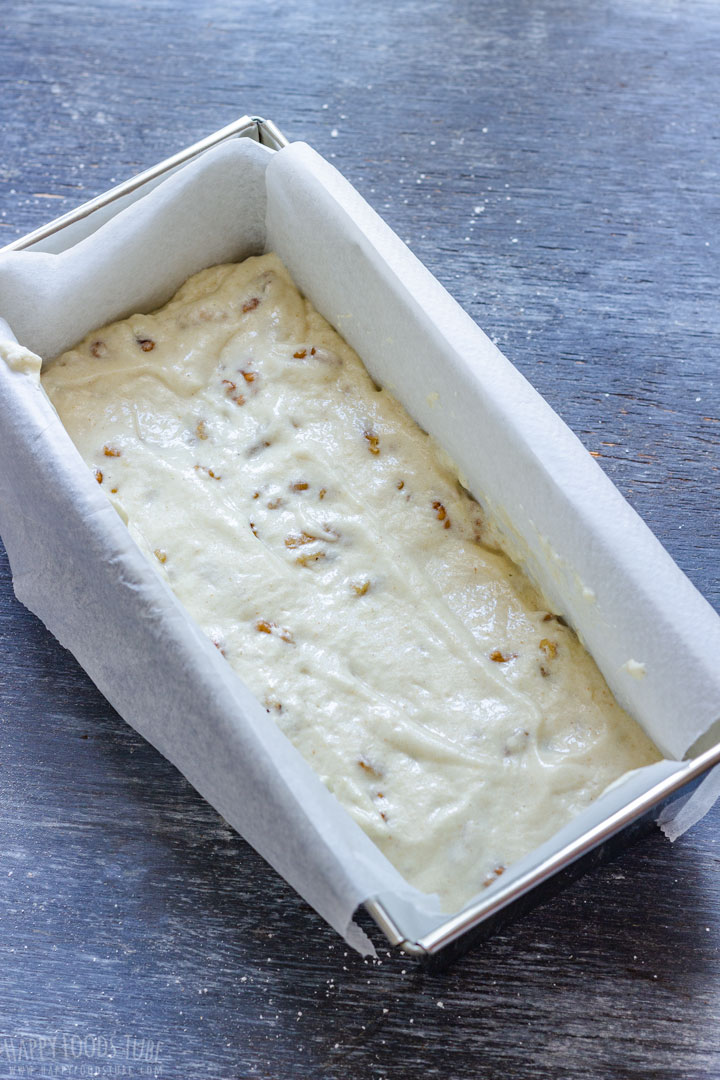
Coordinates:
(481,918)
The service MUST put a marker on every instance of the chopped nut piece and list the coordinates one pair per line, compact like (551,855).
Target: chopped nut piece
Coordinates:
(99,476)
(160,555)
(493,876)
(253,530)
(373,441)
(360,590)
(322,493)
(230,392)
(111,451)
(200,430)
(441,514)
(549,648)
(266,627)
(250,305)
(368,768)
(400,485)
(298,539)
(248,376)
(262,445)
(274,503)
(98,348)
(256,495)
(114,491)
(502,658)
(312,351)
(300,486)
(300,354)
(210,472)
(304,560)
(146,344)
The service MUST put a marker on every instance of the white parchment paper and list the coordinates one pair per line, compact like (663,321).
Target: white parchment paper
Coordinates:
(676,819)
(75,565)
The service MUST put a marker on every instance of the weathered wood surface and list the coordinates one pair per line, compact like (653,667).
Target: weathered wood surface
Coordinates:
(555,163)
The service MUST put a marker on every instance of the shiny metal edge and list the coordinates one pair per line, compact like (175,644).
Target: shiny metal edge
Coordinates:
(385,921)
(269,134)
(251,127)
(458,925)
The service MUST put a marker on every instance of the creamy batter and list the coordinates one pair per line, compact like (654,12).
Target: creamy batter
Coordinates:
(325,545)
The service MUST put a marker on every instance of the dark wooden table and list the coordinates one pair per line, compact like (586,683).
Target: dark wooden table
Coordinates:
(555,163)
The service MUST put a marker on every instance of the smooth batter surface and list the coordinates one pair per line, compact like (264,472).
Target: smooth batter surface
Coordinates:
(325,545)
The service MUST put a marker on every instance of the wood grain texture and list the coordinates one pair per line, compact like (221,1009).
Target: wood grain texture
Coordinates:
(555,164)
